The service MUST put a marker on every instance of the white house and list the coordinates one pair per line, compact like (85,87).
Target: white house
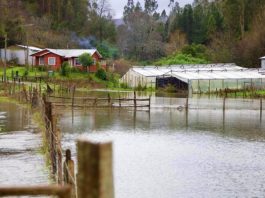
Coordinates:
(18,54)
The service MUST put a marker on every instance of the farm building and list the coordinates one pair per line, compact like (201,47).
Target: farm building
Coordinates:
(195,78)
(17,54)
(55,57)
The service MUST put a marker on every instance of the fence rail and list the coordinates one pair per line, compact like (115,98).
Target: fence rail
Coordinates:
(94,102)
(54,190)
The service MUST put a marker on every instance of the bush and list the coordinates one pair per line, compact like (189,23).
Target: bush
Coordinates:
(42,68)
(65,69)
(26,73)
(101,74)
(195,51)
(124,85)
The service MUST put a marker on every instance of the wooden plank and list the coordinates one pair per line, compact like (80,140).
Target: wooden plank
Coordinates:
(61,191)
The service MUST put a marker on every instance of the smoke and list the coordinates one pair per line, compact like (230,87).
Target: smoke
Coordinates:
(88,42)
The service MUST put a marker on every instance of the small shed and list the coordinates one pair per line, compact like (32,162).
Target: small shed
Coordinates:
(263,62)
(18,54)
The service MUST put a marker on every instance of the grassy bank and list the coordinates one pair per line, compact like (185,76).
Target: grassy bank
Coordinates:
(101,79)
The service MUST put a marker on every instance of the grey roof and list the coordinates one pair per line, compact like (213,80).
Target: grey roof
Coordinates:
(30,47)
(68,53)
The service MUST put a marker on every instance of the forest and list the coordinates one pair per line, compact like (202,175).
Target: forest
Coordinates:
(205,31)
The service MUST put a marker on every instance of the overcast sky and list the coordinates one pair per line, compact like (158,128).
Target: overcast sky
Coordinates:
(118,5)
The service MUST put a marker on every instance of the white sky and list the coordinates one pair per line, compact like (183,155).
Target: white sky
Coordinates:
(118,5)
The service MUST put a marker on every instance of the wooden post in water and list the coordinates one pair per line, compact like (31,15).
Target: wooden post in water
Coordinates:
(149,105)
(187,104)
(134,99)
(261,107)
(50,135)
(95,176)
(119,100)
(224,101)
(109,100)
(73,96)
(59,155)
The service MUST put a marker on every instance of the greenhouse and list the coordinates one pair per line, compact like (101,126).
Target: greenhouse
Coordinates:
(196,78)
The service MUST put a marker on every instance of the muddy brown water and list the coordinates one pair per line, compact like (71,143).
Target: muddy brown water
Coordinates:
(21,162)
(170,153)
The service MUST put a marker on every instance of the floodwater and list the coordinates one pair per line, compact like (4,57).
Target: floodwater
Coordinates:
(21,162)
(169,153)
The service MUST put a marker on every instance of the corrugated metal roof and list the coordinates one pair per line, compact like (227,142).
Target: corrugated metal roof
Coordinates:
(218,75)
(30,47)
(200,72)
(68,53)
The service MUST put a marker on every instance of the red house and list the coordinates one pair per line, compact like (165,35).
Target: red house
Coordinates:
(55,57)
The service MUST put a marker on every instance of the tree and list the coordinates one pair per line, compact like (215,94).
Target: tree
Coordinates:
(100,22)
(128,9)
(140,38)
(150,6)
(86,60)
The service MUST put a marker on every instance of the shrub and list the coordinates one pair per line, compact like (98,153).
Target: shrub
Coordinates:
(42,68)
(65,69)
(101,74)
(124,85)
(86,60)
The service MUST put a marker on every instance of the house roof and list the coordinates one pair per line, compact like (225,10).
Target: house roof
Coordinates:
(68,53)
(30,47)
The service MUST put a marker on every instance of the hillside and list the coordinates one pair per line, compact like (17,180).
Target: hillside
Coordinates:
(230,31)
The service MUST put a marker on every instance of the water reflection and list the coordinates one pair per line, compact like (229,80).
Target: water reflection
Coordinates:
(20,160)
(205,152)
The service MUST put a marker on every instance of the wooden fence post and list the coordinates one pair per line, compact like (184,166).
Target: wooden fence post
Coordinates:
(149,104)
(187,104)
(261,107)
(224,101)
(134,99)
(119,100)
(95,177)
(109,100)
(50,135)
(73,96)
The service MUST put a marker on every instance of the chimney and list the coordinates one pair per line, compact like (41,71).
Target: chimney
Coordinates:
(262,62)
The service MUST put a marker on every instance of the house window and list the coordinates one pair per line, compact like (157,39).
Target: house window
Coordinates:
(41,61)
(77,62)
(51,61)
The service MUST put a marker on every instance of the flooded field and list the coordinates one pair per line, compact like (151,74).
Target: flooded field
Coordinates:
(170,153)
(21,162)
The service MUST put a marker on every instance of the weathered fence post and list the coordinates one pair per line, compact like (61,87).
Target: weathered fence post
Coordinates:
(95,176)
(261,107)
(134,99)
(119,100)
(149,104)
(73,96)
(224,101)
(109,100)
(34,101)
(50,135)
(187,104)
